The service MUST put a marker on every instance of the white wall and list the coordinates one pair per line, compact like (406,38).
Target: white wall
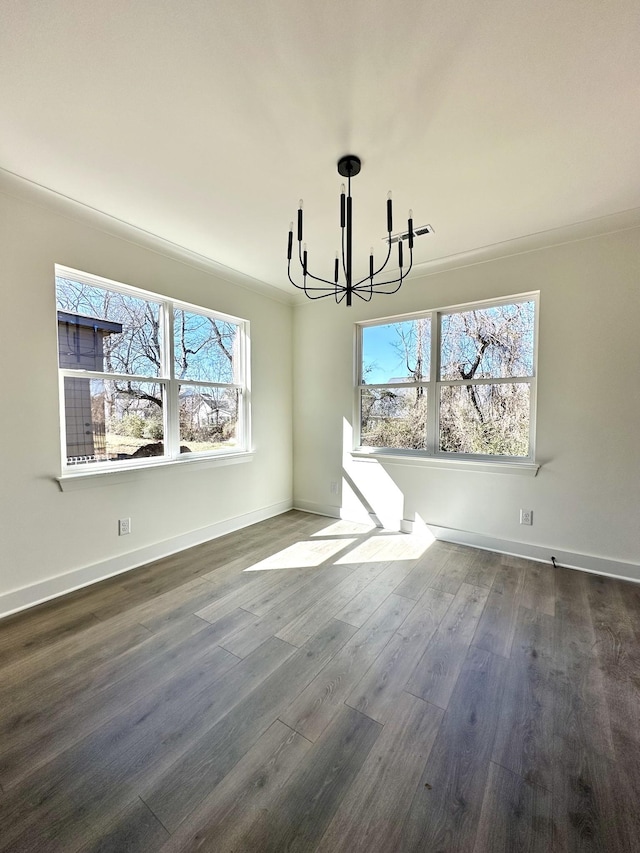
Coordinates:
(46,534)
(586,496)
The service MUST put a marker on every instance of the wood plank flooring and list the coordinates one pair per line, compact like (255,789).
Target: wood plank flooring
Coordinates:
(309,684)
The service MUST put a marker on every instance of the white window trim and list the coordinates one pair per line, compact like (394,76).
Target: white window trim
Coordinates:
(431,455)
(87,480)
(98,473)
(494,464)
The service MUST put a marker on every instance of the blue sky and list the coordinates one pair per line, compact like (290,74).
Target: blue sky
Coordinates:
(380,353)
(383,351)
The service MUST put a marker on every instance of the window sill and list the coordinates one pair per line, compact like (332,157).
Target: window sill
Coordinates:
(112,477)
(527,469)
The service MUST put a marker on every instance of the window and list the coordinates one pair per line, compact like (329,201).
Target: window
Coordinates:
(145,378)
(452,383)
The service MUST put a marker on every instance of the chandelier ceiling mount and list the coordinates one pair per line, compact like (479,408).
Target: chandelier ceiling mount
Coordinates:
(349,166)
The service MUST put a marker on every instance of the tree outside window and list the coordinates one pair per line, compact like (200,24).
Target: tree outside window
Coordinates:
(452,382)
(144,376)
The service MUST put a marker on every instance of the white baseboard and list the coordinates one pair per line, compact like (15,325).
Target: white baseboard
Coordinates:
(363,517)
(28,596)
(318,509)
(568,559)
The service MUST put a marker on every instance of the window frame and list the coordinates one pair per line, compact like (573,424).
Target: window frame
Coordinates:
(434,385)
(166,379)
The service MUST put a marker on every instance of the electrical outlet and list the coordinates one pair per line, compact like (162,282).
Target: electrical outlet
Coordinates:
(124,526)
(334,487)
(526,516)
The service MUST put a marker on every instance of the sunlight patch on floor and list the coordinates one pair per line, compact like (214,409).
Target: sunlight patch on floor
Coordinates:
(344,527)
(388,546)
(302,555)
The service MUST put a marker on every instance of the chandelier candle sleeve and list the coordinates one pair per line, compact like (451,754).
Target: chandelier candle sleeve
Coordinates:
(348,273)
(315,287)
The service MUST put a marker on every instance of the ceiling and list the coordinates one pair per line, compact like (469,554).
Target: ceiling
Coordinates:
(204,122)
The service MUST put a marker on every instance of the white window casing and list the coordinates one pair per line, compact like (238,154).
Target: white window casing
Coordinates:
(426,446)
(199,397)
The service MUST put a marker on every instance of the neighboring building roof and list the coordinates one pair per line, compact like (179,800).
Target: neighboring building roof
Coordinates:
(107,327)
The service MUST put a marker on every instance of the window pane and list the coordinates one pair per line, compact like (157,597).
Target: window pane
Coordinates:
(208,418)
(485,419)
(394,417)
(490,343)
(396,352)
(106,331)
(108,421)
(205,348)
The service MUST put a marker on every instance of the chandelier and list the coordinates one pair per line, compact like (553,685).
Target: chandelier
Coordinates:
(318,288)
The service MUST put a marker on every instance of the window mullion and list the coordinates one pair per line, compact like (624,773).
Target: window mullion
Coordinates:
(433,394)
(172,417)
(356,434)
(110,419)
(488,416)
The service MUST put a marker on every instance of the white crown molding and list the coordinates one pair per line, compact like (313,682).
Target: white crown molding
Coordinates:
(26,190)
(19,187)
(625,220)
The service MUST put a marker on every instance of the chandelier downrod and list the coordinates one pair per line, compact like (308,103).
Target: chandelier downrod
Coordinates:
(349,166)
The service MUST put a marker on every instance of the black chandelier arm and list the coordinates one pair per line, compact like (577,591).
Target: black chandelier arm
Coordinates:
(310,295)
(389,292)
(332,284)
(305,287)
(364,298)
(333,288)
(329,291)
(375,287)
(368,282)
(378,271)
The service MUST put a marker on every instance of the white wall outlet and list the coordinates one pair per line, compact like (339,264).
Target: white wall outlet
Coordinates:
(124,526)
(526,516)
(334,487)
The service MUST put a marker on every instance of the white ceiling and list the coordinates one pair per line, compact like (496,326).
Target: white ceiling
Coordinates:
(204,122)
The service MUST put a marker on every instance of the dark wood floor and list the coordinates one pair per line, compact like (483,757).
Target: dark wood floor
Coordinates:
(307,685)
